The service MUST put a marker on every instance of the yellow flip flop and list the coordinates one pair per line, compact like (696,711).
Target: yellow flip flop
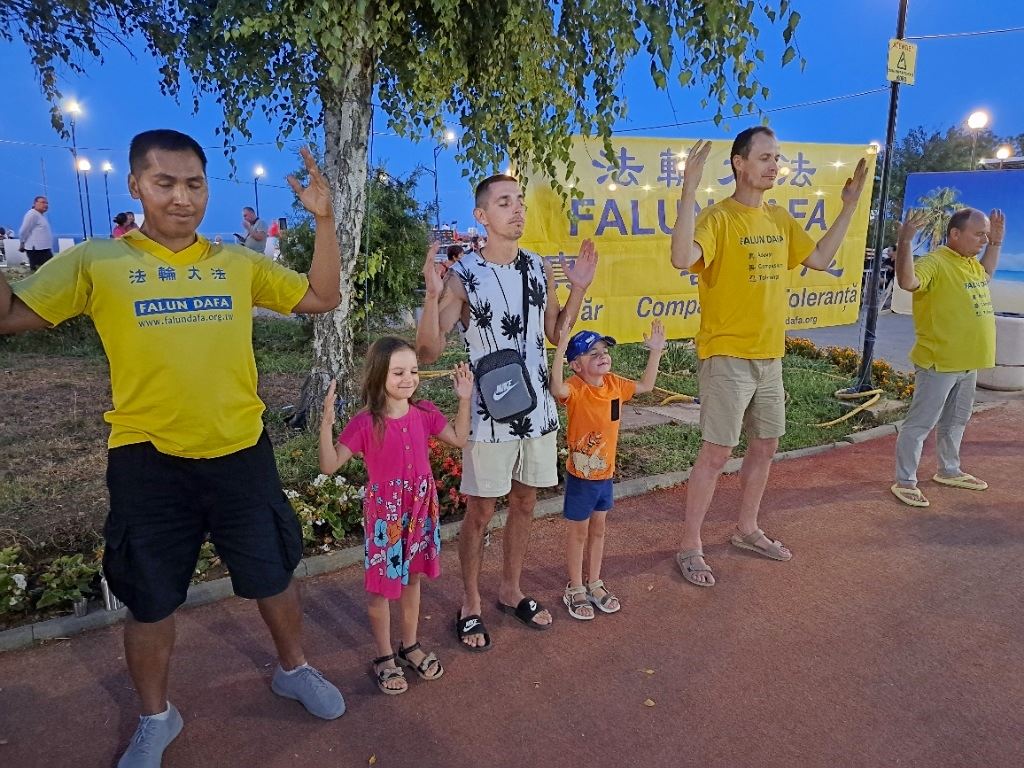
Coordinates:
(912,497)
(970,482)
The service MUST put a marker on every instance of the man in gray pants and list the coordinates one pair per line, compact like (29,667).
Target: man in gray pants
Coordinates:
(956,335)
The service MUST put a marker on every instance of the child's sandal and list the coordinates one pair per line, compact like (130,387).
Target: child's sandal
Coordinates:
(607,603)
(575,599)
(428,669)
(385,675)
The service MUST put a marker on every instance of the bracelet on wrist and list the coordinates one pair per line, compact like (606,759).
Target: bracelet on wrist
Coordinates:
(997,244)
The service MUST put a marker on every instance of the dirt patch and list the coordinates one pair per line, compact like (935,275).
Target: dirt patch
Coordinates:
(53,448)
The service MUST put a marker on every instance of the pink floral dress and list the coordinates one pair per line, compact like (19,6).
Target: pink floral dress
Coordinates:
(400,510)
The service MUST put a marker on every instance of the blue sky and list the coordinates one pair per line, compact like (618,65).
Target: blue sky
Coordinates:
(844,45)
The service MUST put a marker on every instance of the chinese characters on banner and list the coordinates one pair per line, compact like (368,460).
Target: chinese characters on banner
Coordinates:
(628,207)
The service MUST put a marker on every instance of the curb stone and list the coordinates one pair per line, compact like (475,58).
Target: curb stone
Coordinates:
(212,591)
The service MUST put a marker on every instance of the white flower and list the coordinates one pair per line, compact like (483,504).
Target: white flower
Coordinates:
(13,601)
(21,581)
(362,492)
(289,493)
(339,480)
(320,480)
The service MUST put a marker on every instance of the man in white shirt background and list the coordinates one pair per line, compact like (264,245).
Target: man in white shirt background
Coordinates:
(36,235)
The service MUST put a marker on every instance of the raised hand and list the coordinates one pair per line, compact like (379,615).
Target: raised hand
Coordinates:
(855,185)
(656,340)
(329,400)
(997,226)
(462,381)
(564,334)
(912,223)
(315,196)
(693,167)
(581,274)
(434,282)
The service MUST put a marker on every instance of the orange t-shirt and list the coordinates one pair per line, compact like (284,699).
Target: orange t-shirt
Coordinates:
(593,432)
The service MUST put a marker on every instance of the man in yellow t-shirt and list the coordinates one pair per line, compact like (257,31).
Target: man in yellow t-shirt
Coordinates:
(955,332)
(188,455)
(741,250)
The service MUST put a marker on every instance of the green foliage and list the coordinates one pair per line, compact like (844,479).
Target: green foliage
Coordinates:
(282,345)
(208,558)
(75,338)
(14,596)
(329,508)
(394,240)
(520,78)
(65,580)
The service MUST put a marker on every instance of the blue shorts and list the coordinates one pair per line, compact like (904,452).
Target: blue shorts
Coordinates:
(584,497)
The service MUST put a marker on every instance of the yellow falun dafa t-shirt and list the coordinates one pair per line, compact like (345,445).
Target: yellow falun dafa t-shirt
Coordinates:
(177,330)
(742,278)
(953,319)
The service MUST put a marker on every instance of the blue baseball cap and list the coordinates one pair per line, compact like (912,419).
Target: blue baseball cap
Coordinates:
(583,342)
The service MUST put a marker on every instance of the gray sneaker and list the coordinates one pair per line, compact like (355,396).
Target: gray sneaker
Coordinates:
(308,687)
(151,738)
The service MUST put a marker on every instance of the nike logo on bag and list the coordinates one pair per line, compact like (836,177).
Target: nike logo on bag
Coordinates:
(504,388)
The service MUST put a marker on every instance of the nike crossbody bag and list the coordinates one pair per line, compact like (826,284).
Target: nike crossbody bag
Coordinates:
(503,380)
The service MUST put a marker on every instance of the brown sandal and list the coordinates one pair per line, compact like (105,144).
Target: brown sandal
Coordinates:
(384,675)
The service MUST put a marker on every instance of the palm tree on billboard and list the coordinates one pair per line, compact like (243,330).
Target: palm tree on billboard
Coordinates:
(939,205)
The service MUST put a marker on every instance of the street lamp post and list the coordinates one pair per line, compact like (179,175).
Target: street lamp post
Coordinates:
(449,137)
(976,122)
(863,382)
(74,109)
(107,168)
(85,166)
(256,186)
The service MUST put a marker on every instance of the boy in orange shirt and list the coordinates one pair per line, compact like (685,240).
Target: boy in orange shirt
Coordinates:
(593,397)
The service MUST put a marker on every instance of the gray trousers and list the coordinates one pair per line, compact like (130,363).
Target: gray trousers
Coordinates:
(942,401)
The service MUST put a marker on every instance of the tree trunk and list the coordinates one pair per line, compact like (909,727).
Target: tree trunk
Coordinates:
(347,125)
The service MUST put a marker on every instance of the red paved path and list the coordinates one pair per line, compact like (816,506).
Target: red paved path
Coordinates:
(894,638)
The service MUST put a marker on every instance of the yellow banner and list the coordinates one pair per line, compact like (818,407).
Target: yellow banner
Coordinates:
(629,208)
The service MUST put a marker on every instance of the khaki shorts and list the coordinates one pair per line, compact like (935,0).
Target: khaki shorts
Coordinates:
(738,394)
(488,469)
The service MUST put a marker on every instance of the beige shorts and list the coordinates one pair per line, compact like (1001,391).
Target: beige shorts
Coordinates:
(488,469)
(737,394)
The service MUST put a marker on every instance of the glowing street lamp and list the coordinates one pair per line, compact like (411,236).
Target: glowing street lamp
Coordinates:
(73,109)
(84,166)
(107,168)
(257,173)
(447,138)
(976,121)
(1002,153)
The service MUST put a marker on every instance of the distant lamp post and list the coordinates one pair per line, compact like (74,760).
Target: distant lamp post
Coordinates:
(976,121)
(448,138)
(73,109)
(259,172)
(85,166)
(1001,154)
(107,168)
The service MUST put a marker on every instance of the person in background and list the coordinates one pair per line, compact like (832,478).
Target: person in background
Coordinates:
(255,230)
(273,247)
(119,225)
(35,234)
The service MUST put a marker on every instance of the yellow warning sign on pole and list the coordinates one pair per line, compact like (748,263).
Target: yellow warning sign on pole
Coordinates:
(902,62)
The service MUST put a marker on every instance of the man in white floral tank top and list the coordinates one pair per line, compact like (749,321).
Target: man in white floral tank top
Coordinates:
(484,292)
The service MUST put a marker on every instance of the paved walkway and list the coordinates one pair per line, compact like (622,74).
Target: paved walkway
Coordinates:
(894,337)
(894,638)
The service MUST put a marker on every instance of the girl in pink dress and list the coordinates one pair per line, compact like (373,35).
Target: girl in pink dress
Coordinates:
(400,509)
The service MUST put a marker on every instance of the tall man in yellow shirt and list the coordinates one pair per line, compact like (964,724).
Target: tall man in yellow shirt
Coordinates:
(741,250)
(188,453)
(955,336)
